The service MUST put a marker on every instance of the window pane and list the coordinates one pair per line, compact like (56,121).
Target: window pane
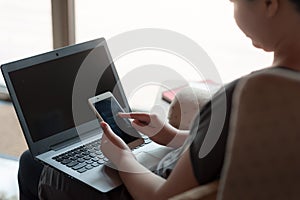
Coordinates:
(26,29)
(209,23)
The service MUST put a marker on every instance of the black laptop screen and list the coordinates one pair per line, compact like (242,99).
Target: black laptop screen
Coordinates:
(45,92)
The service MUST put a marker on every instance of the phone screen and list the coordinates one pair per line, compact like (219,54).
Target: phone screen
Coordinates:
(108,109)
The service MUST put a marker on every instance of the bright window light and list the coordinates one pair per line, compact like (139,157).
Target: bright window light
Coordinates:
(209,23)
(26,29)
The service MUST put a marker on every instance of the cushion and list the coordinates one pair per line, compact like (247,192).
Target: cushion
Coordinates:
(186,104)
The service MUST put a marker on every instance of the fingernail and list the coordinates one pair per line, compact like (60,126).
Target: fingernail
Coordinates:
(103,124)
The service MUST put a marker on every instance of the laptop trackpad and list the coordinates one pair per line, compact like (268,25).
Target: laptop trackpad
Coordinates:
(148,157)
(147,160)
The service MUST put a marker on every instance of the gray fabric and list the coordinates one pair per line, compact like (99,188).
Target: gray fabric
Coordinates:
(167,164)
(56,185)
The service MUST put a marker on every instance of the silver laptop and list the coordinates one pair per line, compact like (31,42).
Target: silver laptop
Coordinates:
(60,128)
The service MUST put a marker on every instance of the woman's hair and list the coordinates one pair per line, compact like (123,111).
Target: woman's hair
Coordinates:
(297,3)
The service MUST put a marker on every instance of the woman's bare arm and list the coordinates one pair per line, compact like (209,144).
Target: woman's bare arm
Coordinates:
(140,182)
(148,185)
(159,131)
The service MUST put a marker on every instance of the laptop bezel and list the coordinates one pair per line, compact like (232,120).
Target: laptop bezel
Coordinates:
(45,144)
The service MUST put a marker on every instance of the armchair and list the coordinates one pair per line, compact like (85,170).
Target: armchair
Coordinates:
(262,158)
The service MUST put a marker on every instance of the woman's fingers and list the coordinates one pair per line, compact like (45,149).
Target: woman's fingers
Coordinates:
(143,118)
(115,149)
(116,140)
(138,122)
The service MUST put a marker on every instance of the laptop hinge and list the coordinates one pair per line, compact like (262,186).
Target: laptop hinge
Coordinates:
(74,140)
(65,143)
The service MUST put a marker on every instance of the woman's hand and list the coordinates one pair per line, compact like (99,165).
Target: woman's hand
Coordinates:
(112,146)
(117,151)
(150,125)
(140,182)
(110,136)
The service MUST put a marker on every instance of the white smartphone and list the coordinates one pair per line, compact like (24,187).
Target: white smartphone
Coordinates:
(106,108)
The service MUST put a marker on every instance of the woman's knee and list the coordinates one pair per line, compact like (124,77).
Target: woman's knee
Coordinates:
(28,174)
(28,164)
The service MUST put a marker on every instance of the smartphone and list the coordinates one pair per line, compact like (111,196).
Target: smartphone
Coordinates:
(106,108)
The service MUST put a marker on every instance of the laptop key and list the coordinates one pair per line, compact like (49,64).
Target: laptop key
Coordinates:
(80,165)
(95,159)
(95,164)
(79,156)
(147,141)
(81,170)
(73,158)
(72,164)
(87,158)
(65,161)
(89,162)
(83,158)
(89,167)
(101,162)
(101,156)
(93,155)
(58,159)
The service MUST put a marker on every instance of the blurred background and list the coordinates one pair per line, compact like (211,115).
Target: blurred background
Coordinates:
(33,26)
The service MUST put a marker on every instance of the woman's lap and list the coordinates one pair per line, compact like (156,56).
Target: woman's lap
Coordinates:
(37,181)
(57,185)
(28,176)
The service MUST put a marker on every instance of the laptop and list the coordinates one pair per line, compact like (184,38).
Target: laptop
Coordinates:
(50,94)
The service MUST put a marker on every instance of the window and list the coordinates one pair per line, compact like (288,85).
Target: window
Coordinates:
(26,29)
(209,23)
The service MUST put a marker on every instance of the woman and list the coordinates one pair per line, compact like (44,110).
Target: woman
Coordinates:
(272,25)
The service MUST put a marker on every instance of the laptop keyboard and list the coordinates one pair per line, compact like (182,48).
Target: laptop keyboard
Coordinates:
(83,158)
(86,157)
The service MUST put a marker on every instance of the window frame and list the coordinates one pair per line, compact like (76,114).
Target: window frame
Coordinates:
(63,23)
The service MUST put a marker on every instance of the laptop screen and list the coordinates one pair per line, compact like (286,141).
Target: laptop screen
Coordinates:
(45,92)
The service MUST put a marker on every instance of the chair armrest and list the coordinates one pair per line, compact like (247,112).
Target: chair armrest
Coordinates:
(203,192)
